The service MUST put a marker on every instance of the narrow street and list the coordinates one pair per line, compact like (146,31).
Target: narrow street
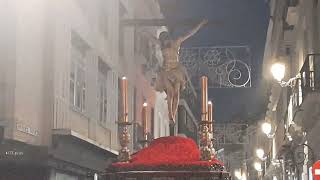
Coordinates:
(159,89)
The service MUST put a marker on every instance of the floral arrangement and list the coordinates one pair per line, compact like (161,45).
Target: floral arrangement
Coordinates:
(169,153)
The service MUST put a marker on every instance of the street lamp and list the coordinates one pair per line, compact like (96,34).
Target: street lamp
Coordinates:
(260,153)
(278,71)
(266,128)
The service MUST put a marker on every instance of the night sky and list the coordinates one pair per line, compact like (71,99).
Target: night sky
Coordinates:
(244,22)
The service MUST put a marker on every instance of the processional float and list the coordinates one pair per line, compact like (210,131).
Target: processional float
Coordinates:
(169,157)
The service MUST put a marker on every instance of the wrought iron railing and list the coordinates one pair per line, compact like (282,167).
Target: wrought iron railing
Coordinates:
(225,66)
(190,96)
(310,75)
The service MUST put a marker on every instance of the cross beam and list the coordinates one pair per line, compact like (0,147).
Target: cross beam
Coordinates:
(165,22)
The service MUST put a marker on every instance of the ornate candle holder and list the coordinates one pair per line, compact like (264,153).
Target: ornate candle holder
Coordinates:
(124,153)
(205,141)
(213,151)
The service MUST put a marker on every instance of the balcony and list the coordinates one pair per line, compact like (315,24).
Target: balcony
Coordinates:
(310,75)
(307,93)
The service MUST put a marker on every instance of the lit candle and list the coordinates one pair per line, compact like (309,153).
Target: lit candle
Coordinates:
(124,90)
(144,118)
(210,115)
(204,93)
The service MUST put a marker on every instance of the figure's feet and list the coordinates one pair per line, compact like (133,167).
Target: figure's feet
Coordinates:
(172,123)
(172,127)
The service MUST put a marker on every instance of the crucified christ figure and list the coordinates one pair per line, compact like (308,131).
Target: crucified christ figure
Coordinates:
(172,76)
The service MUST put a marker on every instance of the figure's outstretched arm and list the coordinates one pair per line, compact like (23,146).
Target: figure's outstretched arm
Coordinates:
(193,31)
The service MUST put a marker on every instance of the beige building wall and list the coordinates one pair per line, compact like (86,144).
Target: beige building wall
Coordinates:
(95,25)
(36,61)
(35,68)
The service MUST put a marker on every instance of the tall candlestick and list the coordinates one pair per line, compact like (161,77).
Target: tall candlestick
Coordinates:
(124,90)
(205,139)
(204,93)
(210,116)
(145,119)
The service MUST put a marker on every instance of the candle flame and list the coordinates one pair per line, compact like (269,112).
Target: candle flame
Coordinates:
(209,102)
(124,77)
(145,104)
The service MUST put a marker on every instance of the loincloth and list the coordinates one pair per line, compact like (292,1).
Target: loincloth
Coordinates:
(171,77)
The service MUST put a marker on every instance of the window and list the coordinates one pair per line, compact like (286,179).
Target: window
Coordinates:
(77,88)
(102,88)
(102,98)
(77,83)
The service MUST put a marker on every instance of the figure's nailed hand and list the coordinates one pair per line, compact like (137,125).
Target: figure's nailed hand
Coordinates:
(204,22)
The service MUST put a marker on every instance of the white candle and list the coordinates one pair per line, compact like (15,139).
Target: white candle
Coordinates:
(145,118)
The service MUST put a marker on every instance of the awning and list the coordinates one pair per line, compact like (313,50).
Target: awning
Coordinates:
(22,153)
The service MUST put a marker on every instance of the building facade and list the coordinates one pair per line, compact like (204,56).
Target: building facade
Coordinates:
(59,95)
(293,39)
